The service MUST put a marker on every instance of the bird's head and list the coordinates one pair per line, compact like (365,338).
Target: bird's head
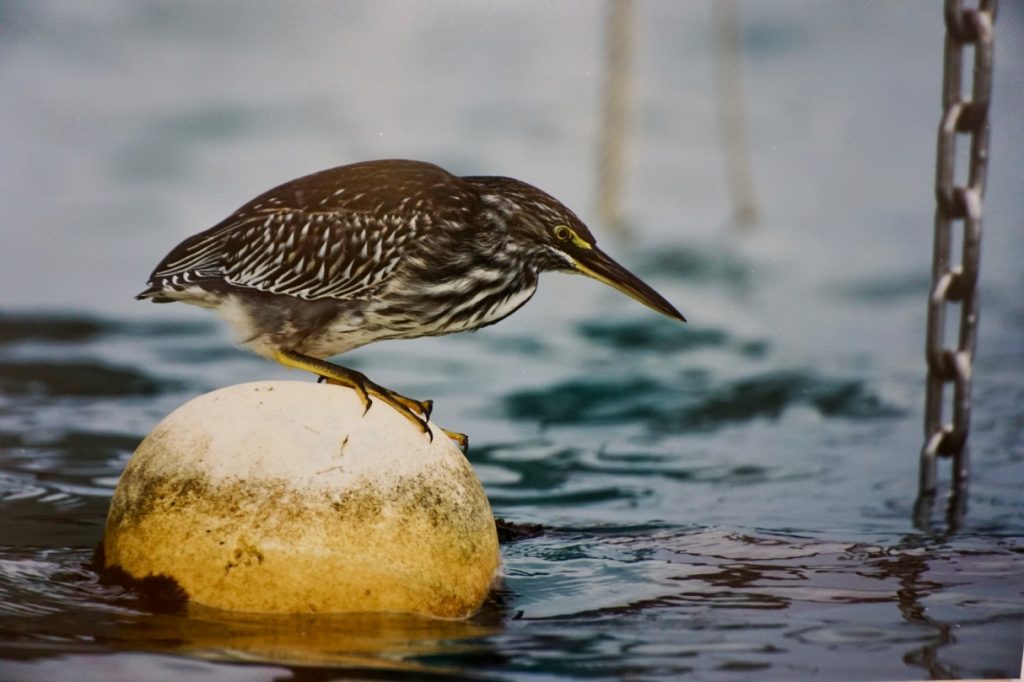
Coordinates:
(552,237)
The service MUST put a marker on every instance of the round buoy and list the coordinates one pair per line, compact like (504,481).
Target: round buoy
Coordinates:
(284,496)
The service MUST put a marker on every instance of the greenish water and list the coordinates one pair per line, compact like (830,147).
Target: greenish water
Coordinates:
(723,500)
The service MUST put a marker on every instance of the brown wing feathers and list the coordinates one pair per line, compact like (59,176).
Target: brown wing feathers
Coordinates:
(331,234)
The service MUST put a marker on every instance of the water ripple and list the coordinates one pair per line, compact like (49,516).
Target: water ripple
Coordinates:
(37,379)
(696,404)
(72,328)
(653,335)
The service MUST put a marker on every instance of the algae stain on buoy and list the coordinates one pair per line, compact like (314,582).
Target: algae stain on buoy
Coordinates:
(284,497)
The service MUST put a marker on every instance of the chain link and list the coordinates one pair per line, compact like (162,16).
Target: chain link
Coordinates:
(964,115)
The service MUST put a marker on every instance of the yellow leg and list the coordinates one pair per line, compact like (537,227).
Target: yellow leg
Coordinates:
(364,388)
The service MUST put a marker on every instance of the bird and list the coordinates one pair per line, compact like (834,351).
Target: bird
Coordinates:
(383,249)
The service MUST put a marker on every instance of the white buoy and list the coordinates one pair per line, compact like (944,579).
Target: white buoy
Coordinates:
(284,496)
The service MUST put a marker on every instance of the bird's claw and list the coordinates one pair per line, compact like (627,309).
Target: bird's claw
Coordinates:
(411,415)
(358,386)
(422,407)
(461,439)
(416,411)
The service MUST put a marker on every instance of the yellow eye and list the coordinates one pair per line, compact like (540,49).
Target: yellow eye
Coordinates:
(563,234)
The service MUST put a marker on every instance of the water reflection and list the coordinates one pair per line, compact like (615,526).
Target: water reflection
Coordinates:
(651,335)
(724,599)
(700,264)
(572,588)
(694,401)
(48,596)
(701,571)
(76,329)
(49,378)
(350,641)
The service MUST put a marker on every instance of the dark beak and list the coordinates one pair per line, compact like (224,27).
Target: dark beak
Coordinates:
(593,262)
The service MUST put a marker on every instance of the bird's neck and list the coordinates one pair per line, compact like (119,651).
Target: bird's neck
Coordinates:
(468,279)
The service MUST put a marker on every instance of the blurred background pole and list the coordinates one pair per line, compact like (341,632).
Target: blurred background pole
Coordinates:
(732,112)
(619,32)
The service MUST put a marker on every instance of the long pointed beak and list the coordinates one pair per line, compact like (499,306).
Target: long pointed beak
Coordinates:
(595,263)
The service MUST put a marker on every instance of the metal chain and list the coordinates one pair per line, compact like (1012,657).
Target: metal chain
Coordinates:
(964,114)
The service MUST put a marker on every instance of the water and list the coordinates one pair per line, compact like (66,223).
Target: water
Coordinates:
(726,499)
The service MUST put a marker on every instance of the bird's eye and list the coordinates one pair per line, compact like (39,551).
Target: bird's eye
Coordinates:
(564,233)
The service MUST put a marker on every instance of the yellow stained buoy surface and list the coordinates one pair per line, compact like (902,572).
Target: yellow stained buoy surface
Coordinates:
(284,497)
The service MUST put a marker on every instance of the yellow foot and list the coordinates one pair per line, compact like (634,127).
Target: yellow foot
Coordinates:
(415,411)
(421,407)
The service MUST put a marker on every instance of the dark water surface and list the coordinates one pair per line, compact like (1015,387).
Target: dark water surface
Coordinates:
(726,499)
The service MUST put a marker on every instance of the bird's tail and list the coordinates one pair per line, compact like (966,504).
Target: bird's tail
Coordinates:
(155,293)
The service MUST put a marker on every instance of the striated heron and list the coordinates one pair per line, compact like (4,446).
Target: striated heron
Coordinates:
(388,249)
